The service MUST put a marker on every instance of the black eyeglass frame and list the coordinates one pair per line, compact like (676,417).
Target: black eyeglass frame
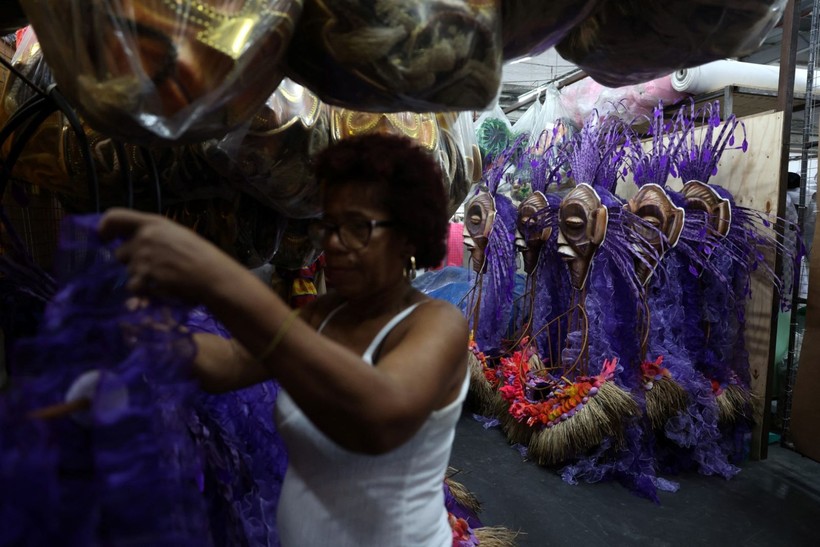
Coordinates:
(320,229)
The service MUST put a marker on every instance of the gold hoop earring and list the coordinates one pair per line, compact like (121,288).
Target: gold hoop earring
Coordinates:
(410,273)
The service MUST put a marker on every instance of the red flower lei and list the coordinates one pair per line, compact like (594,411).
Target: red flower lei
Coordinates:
(565,398)
(489,372)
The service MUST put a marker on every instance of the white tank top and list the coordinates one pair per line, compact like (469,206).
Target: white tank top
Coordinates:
(332,496)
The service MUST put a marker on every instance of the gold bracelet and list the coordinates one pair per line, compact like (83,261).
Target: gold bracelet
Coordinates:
(283,329)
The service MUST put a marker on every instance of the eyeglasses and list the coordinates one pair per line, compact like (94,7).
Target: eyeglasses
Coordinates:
(353,234)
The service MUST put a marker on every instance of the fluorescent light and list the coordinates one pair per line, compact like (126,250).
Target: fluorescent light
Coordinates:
(521,60)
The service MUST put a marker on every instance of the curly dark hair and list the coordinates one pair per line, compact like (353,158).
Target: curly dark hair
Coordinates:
(409,183)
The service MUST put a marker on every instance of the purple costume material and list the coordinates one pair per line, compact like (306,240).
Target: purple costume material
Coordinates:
(690,438)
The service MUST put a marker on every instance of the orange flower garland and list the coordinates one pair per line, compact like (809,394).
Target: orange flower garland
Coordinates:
(489,372)
(564,397)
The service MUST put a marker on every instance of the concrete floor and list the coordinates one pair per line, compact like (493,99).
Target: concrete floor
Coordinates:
(775,502)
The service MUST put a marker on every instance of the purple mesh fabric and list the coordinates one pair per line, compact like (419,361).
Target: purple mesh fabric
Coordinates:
(29,481)
(245,458)
(174,467)
(632,464)
(694,433)
(498,291)
(552,288)
(126,474)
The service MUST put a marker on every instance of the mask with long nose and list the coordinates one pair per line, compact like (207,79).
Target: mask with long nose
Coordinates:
(531,232)
(582,225)
(665,223)
(702,197)
(479,218)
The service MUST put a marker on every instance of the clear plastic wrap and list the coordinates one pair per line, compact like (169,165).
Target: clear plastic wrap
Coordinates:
(421,127)
(493,132)
(53,157)
(632,102)
(461,158)
(240,226)
(632,41)
(295,250)
(165,70)
(272,159)
(399,55)
(440,134)
(530,27)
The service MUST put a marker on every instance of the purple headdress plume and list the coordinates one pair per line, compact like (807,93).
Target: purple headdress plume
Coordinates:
(499,280)
(699,157)
(748,238)
(595,154)
(546,168)
(612,301)
(656,165)
(752,234)
(551,292)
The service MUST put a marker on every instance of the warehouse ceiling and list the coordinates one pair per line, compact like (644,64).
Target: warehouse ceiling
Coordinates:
(522,76)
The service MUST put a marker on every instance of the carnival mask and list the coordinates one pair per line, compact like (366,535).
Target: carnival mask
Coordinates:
(653,205)
(582,229)
(532,232)
(422,128)
(479,218)
(702,197)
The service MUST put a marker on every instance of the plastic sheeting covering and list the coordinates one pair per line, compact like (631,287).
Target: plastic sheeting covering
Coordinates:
(631,41)
(399,55)
(530,27)
(148,70)
(272,158)
(581,99)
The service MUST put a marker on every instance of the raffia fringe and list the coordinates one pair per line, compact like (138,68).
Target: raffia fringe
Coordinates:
(734,402)
(483,397)
(463,497)
(603,416)
(516,432)
(666,399)
(496,536)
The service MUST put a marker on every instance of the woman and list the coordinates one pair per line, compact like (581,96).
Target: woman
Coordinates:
(374,374)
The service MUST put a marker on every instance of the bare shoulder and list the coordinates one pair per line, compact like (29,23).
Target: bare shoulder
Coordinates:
(441,316)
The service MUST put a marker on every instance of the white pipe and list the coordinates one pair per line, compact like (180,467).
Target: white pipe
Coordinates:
(719,74)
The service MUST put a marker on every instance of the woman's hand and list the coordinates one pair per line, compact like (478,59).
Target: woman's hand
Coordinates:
(166,259)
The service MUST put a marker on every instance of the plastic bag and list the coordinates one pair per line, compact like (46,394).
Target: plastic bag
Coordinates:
(168,70)
(461,159)
(525,125)
(52,158)
(399,55)
(493,132)
(272,158)
(549,126)
(530,27)
(631,41)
